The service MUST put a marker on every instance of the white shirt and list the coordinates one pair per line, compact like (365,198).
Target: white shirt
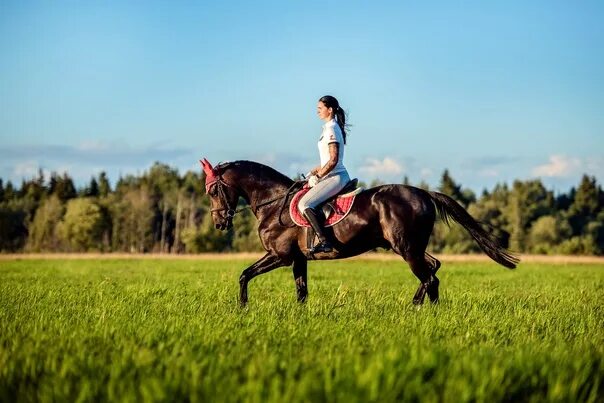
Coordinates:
(332,134)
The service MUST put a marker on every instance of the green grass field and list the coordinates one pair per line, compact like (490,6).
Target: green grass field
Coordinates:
(161,330)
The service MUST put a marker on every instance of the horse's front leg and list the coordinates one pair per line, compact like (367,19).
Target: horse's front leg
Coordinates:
(267,263)
(300,270)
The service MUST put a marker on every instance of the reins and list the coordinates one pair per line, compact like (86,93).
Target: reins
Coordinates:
(230,212)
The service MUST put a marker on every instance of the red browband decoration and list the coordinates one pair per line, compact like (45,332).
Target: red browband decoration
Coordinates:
(211,176)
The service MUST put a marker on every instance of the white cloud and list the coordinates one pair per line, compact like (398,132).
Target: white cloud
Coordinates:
(27,169)
(386,166)
(558,166)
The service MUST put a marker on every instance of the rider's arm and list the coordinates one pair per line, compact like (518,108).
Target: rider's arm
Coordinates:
(334,149)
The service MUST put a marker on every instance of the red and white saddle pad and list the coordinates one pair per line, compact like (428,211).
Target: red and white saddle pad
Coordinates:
(341,207)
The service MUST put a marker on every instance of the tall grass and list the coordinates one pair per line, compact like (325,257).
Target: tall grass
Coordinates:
(172,330)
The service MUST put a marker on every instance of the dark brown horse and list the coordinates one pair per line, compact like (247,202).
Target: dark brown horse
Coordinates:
(396,217)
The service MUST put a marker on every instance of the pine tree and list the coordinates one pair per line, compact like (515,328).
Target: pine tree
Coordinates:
(93,188)
(104,186)
(62,186)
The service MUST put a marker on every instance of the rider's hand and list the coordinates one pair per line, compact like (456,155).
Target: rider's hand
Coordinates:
(313,180)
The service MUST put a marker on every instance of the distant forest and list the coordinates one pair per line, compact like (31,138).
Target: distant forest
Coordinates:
(164,212)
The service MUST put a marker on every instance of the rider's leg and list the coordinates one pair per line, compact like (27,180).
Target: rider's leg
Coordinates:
(324,245)
(309,203)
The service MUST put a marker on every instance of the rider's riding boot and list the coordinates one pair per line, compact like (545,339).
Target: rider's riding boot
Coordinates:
(324,245)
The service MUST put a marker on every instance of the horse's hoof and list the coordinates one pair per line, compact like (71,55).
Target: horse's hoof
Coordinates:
(420,295)
(433,289)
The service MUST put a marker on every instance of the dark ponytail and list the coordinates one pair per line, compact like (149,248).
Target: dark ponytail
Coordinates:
(338,112)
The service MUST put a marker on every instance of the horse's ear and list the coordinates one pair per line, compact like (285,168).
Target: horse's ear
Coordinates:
(207,167)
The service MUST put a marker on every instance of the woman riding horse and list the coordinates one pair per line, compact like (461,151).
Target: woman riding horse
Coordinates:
(396,217)
(329,178)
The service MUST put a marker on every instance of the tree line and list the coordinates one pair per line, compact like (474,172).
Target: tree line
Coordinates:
(162,211)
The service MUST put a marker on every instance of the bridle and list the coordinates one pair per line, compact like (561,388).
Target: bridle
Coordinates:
(230,212)
(220,183)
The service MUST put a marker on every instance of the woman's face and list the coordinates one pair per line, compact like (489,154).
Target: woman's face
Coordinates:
(324,112)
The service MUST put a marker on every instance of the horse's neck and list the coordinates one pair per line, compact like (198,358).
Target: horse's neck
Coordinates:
(258,190)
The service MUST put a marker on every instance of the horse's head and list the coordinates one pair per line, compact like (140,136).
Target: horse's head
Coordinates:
(223,196)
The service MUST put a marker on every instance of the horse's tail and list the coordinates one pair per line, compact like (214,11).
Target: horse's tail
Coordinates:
(449,208)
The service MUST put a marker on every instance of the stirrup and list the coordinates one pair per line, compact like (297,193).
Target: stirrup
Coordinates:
(322,247)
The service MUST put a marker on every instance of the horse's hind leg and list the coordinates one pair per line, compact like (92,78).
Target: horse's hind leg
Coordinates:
(407,228)
(414,255)
(423,272)
(433,283)
(433,262)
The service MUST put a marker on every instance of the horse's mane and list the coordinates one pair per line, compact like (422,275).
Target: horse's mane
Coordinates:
(256,169)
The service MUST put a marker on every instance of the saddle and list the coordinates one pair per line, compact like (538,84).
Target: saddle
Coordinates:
(334,209)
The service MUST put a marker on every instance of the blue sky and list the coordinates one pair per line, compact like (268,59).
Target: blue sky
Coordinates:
(494,91)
